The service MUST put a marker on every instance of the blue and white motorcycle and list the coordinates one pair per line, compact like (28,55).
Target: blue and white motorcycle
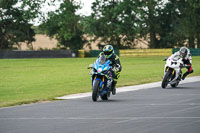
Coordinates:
(101,78)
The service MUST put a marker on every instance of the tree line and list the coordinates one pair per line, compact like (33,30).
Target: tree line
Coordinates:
(165,24)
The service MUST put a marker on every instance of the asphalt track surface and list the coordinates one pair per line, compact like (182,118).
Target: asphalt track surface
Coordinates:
(153,110)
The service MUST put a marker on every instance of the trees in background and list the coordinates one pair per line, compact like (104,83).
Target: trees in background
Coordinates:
(113,22)
(116,22)
(15,16)
(189,21)
(120,22)
(179,24)
(166,24)
(149,21)
(64,25)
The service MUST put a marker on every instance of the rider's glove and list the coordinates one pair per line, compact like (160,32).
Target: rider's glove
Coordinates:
(188,66)
(165,58)
(90,66)
(182,65)
(116,68)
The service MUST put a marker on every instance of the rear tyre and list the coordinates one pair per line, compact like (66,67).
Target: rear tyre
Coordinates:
(95,90)
(174,85)
(105,96)
(165,80)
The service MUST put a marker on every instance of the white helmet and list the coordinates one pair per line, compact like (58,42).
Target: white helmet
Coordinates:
(183,52)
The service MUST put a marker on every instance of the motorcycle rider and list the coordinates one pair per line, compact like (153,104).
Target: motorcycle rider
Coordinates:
(184,53)
(108,51)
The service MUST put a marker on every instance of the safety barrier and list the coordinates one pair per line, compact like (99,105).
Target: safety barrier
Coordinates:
(145,52)
(139,52)
(193,51)
(92,53)
(9,54)
(81,53)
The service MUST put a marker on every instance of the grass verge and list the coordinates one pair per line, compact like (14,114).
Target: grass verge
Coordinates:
(31,80)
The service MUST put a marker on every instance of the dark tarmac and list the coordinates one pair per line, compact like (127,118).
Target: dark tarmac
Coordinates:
(154,110)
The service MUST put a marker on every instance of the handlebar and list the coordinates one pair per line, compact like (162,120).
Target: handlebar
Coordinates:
(183,66)
(90,66)
(165,58)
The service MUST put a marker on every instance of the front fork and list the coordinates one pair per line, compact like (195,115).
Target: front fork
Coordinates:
(103,89)
(167,69)
(174,73)
(102,81)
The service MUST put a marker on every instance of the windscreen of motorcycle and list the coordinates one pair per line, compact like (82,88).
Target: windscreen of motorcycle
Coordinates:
(102,59)
(176,58)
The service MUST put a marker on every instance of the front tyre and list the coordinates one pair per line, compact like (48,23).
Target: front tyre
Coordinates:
(166,78)
(95,90)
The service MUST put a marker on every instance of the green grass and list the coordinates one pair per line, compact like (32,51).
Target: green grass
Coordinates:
(32,80)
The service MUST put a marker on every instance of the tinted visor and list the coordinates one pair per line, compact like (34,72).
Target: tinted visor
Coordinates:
(107,53)
(183,54)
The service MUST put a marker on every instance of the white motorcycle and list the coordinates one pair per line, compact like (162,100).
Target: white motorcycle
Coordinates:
(172,71)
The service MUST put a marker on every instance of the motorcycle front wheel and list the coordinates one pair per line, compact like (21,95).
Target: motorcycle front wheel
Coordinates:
(165,80)
(95,90)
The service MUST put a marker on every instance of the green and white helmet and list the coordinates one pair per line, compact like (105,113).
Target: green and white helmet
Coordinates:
(108,51)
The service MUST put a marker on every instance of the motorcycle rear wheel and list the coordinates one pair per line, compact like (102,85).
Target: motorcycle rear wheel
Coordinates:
(106,96)
(175,85)
(95,91)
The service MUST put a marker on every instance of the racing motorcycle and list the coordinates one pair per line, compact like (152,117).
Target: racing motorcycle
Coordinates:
(172,71)
(101,78)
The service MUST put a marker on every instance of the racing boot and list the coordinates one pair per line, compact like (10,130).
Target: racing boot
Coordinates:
(184,75)
(114,87)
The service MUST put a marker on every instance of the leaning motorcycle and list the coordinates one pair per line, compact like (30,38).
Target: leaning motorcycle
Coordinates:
(172,71)
(101,78)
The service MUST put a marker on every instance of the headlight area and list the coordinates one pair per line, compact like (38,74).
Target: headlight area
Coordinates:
(99,70)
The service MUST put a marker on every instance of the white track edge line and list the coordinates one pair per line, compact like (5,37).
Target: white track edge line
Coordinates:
(129,88)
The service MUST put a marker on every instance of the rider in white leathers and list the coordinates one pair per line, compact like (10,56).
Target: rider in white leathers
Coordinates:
(184,53)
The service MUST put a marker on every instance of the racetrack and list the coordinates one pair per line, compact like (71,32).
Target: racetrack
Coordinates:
(153,110)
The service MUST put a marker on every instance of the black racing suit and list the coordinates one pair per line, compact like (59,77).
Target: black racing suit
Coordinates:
(115,62)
